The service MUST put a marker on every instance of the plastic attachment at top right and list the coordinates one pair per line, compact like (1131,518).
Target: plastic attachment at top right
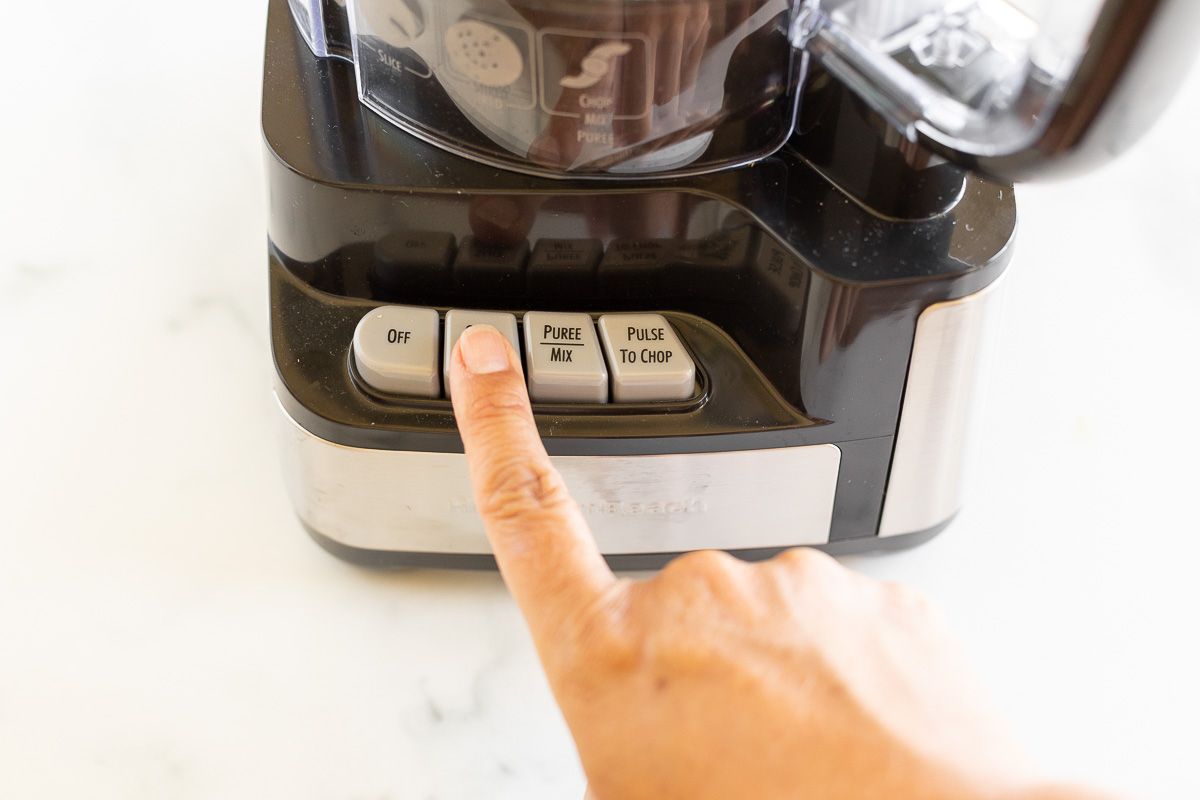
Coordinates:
(1015,89)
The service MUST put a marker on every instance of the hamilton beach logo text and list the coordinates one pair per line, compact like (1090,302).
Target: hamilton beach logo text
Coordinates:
(621,509)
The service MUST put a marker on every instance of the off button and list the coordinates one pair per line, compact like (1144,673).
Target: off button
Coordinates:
(647,360)
(396,350)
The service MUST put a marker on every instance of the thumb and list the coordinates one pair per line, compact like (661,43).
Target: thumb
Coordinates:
(541,542)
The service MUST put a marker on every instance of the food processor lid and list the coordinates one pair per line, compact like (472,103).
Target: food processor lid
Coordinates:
(1012,88)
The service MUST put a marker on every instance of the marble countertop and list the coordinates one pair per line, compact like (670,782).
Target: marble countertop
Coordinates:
(169,631)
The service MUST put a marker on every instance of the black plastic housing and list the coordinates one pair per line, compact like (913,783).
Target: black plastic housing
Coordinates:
(798,297)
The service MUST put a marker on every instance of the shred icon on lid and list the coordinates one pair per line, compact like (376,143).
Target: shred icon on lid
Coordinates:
(483,53)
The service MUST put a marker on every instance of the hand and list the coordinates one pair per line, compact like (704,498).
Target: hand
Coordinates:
(717,678)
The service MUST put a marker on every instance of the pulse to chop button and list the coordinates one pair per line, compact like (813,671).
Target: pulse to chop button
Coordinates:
(458,320)
(396,350)
(648,361)
(563,359)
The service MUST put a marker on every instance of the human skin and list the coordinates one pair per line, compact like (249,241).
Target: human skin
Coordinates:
(716,678)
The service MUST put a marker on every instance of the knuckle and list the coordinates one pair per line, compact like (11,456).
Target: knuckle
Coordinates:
(699,563)
(703,581)
(516,488)
(805,561)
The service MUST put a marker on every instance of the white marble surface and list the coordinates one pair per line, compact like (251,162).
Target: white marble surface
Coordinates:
(168,631)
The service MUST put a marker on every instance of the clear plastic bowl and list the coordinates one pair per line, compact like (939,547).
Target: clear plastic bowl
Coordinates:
(600,87)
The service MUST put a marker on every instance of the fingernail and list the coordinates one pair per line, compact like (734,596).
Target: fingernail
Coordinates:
(483,349)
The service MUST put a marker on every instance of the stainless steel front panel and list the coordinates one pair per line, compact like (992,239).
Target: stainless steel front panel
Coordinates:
(926,481)
(421,502)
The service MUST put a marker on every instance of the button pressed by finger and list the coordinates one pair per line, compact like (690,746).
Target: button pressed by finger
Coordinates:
(541,542)
(458,320)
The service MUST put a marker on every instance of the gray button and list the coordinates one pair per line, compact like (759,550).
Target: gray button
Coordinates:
(396,350)
(563,359)
(648,361)
(458,320)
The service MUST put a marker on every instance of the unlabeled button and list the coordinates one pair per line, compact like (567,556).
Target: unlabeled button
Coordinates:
(647,360)
(396,350)
(458,320)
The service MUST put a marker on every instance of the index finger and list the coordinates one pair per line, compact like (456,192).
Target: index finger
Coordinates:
(543,545)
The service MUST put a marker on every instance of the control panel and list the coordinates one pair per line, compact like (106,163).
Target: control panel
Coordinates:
(635,358)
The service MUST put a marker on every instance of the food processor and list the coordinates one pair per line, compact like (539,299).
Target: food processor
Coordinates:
(749,250)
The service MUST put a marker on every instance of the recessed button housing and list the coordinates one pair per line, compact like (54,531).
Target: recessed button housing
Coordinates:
(458,320)
(636,358)
(648,361)
(396,350)
(563,359)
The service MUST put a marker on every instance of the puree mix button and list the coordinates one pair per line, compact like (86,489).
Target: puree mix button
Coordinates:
(563,359)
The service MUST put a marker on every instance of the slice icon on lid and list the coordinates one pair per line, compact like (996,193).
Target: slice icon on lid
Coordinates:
(399,22)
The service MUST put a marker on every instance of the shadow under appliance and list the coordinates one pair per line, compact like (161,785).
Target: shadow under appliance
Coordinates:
(748,249)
